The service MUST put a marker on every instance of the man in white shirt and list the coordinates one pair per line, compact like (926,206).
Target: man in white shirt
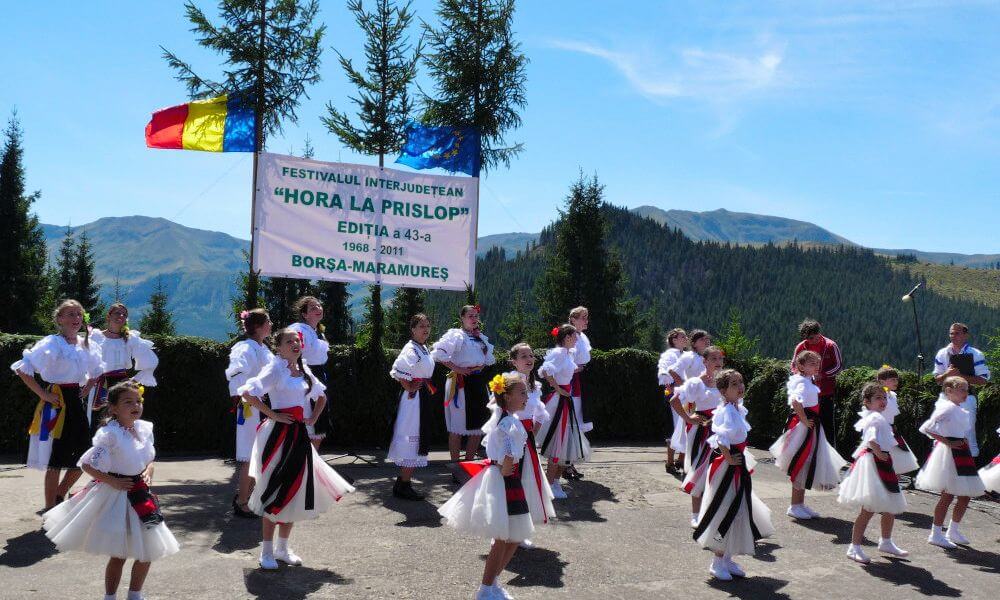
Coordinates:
(958,333)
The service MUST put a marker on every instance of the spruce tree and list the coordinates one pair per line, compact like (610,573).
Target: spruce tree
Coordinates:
(405,303)
(336,313)
(48,299)
(22,245)
(517,326)
(479,74)
(158,320)
(383,107)
(238,301)
(66,268)
(271,50)
(86,289)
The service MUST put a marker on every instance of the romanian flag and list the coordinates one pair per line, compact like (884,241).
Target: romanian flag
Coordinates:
(222,124)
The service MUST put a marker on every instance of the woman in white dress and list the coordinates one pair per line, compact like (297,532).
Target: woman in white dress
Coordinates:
(579,317)
(116,514)
(247,358)
(122,350)
(315,353)
(669,377)
(703,397)
(413,369)
(68,365)
(502,501)
(293,483)
(466,352)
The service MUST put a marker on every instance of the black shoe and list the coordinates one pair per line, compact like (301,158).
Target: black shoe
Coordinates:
(59,499)
(241,512)
(404,490)
(571,474)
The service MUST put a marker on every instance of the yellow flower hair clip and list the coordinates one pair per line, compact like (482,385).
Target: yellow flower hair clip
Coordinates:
(142,390)
(886,366)
(497,385)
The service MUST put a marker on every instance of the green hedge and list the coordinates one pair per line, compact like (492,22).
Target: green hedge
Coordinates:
(191,409)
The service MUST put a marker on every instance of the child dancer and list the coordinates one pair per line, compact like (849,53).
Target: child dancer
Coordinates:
(990,474)
(121,349)
(903,460)
(732,517)
(116,514)
(292,482)
(802,451)
(315,352)
(950,468)
(247,359)
(533,416)
(704,396)
(691,363)
(562,440)
(668,376)
(413,370)
(59,433)
(466,352)
(579,317)
(504,500)
(872,485)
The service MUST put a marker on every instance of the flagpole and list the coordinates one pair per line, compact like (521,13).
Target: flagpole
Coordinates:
(253,280)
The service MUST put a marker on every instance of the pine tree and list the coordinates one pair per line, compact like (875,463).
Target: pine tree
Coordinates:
(22,246)
(336,313)
(86,289)
(517,326)
(48,299)
(479,74)
(238,301)
(733,341)
(383,105)
(66,268)
(405,303)
(158,320)
(583,270)
(271,51)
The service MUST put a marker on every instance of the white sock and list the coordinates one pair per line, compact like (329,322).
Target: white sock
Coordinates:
(954,526)
(110,596)
(694,516)
(856,547)
(134,595)
(267,549)
(282,545)
(936,529)
(483,587)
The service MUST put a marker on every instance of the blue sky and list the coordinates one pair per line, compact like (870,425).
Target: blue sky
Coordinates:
(877,120)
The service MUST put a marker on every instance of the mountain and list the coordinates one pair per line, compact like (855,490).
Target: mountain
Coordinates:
(510,242)
(739,228)
(972,261)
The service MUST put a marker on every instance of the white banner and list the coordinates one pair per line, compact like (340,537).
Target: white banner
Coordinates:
(362,224)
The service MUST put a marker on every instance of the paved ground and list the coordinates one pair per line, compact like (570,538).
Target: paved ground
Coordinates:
(622,534)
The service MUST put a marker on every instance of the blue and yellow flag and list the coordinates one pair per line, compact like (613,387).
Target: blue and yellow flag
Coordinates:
(455,149)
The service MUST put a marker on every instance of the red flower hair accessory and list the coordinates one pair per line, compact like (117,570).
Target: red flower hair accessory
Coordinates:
(478,309)
(302,339)
(555,331)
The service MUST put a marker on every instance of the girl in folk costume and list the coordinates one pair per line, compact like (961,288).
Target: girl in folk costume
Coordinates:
(691,363)
(247,359)
(732,517)
(668,376)
(950,468)
(115,514)
(990,474)
(872,485)
(315,352)
(466,351)
(413,370)
(505,499)
(562,440)
(59,434)
(903,459)
(701,393)
(292,482)
(121,350)
(803,451)
(533,416)
(579,317)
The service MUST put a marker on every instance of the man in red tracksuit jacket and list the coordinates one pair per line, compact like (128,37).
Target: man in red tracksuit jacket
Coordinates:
(826,380)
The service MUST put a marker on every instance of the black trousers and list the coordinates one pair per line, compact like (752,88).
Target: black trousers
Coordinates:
(827,417)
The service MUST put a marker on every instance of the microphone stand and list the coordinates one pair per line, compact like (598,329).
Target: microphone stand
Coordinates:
(911,299)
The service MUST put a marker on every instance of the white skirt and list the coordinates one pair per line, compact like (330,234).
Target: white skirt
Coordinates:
(479,508)
(678,439)
(990,474)
(696,460)
(39,453)
(329,486)
(578,408)
(404,449)
(245,435)
(903,460)
(863,488)
(568,444)
(739,538)
(828,461)
(100,520)
(940,475)
(454,413)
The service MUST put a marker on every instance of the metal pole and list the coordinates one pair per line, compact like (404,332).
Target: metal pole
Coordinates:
(258,119)
(920,344)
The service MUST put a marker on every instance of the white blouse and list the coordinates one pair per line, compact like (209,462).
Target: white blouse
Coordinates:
(246,359)
(559,364)
(285,391)
(116,450)
(947,420)
(583,347)
(802,389)
(507,438)
(315,350)
(729,425)
(691,364)
(535,408)
(694,391)
(57,361)
(413,362)
(669,361)
(462,349)
(121,354)
(874,427)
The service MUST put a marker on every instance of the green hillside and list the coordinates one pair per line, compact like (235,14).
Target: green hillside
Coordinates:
(962,283)
(740,228)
